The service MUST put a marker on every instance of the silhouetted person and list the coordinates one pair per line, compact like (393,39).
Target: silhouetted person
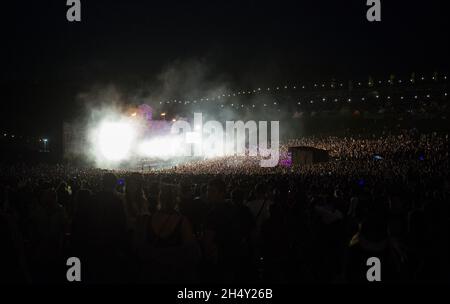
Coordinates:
(372,240)
(109,232)
(246,270)
(221,239)
(193,208)
(83,241)
(13,265)
(167,247)
(47,235)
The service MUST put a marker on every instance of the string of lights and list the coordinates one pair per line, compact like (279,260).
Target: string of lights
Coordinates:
(379,98)
(333,85)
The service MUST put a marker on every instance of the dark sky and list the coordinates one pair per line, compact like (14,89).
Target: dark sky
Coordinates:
(47,60)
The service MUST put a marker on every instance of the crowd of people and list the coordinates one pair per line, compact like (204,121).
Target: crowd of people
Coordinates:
(229,220)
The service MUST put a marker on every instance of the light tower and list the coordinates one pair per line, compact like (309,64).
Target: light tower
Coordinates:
(146,111)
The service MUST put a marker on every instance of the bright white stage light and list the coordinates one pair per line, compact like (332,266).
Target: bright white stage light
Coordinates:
(115,139)
(161,147)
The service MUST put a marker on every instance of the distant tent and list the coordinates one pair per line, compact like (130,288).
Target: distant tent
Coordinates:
(307,155)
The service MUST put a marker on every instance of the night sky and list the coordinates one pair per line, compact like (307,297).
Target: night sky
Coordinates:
(47,61)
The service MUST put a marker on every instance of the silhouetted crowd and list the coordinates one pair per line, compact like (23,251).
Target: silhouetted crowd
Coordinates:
(228,220)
